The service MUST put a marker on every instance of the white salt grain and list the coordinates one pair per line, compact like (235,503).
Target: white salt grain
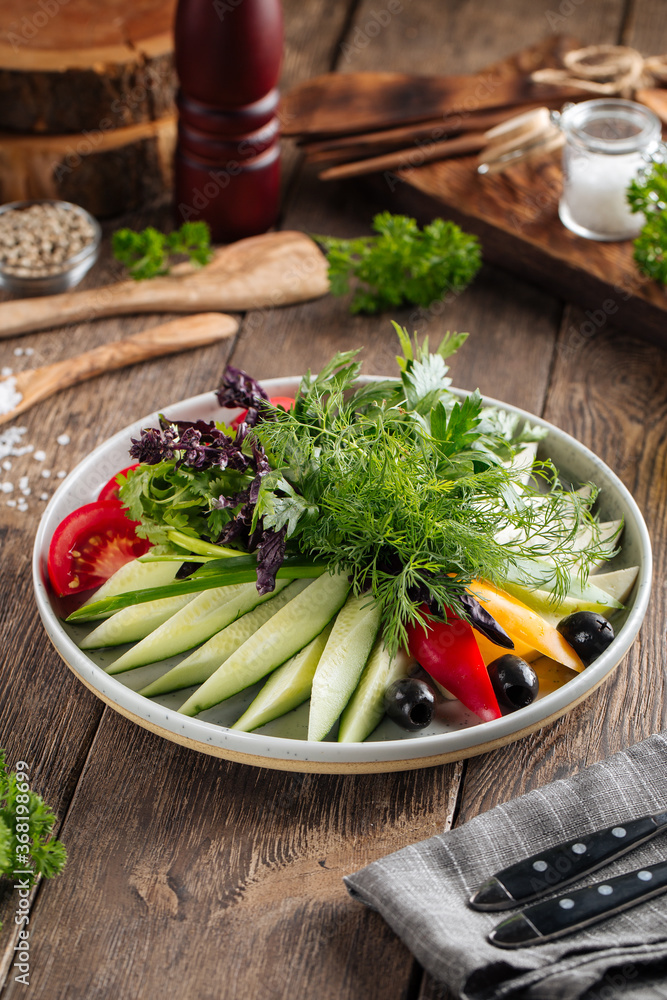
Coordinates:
(10,397)
(23,482)
(9,442)
(7,487)
(40,456)
(26,492)
(46,473)
(7,465)
(29,351)
(18,351)
(62,474)
(11,503)
(63,439)
(6,371)
(43,496)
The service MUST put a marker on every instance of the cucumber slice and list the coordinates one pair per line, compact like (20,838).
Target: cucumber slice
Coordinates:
(285,634)
(199,666)
(365,708)
(209,612)
(287,687)
(133,624)
(342,662)
(618,582)
(134,575)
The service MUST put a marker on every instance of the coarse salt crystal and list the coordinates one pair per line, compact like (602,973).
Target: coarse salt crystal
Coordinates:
(29,351)
(10,397)
(26,491)
(46,473)
(39,456)
(43,496)
(63,439)
(7,465)
(9,442)
(18,351)
(23,482)
(62,474)
(11,503)
(6,371)
(7,487)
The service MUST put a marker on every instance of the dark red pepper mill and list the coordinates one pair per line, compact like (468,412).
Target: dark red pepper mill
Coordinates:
(227,171)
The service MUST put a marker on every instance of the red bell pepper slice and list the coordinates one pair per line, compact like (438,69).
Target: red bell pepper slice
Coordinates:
(448,651)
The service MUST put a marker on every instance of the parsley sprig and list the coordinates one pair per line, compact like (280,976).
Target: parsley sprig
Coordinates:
(149,253)
(648,194)
(45,856)
(402,264)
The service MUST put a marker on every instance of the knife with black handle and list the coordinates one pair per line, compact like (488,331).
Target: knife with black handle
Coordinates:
(558,866)
(553,918)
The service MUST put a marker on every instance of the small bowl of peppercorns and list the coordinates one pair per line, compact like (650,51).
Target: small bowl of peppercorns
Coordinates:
(46,246)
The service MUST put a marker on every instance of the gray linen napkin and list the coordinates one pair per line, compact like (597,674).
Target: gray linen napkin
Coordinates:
(422,891)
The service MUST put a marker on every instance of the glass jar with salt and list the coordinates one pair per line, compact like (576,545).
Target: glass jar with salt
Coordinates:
(607,142)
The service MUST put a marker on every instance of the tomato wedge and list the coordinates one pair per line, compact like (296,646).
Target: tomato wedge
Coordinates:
(110,491)
(285,401)
(90,545)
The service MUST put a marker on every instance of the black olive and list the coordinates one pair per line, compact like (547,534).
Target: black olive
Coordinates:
(410,703)
(514,682)
(588,633)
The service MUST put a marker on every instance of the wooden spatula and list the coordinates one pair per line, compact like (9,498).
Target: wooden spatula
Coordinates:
(180,335)
(276,269)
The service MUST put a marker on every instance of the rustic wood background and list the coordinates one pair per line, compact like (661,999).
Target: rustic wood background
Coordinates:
(193,878)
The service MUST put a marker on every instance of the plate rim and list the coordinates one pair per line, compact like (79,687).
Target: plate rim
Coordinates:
(209,737)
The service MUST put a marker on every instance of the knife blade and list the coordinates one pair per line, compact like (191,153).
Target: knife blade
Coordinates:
(553,918)
(558,866)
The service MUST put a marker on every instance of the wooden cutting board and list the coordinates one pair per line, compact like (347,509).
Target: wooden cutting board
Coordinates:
(515,214)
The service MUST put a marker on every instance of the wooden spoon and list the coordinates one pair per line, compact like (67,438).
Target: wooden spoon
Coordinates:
(169,338)
(275,269)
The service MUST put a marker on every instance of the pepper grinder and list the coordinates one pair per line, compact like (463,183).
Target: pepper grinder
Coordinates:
(227,170)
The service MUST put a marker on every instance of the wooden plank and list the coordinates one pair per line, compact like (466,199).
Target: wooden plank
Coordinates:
(47,718)
(220,881)
(608,390)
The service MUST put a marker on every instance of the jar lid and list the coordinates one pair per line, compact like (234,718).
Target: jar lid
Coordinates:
(611,125)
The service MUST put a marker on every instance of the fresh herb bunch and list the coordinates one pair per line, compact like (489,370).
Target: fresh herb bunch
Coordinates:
(400,483)
(148,253)
(45,857)
(402,264)
(406,487)
(649,195)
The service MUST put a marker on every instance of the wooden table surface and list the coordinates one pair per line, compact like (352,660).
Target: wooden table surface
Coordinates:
(193,878)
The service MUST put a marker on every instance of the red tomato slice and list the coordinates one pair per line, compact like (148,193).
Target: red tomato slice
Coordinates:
(110,491)
(90,545)
(285,401)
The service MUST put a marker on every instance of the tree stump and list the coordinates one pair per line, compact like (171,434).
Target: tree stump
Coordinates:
(87,101)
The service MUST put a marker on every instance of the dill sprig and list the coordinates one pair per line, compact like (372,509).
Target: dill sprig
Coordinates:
(411,490)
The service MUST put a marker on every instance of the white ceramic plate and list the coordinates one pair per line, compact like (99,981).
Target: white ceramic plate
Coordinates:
(282,744)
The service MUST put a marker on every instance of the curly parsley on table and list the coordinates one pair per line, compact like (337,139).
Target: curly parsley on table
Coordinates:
(648,194)
(402,264)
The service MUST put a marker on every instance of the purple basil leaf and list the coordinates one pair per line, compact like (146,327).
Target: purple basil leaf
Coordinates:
(481,620)
(270,555)
(240,389)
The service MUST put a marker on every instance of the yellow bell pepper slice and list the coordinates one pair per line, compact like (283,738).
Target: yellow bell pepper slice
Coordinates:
(523,624)
(490,651)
